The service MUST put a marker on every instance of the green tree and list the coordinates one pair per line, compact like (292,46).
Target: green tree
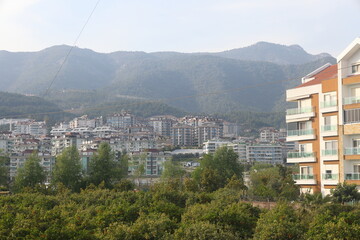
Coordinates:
(334,221)
(172,170)
(280,223)
(203,231)
(68,169)
(4,171)
(216,170)
(272,182)
(31,174)
(345,193)
(103,167)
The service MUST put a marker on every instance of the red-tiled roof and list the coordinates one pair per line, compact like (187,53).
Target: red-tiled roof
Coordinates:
(327,73)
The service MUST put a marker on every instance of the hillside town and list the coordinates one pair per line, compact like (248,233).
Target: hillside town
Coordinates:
(158,138)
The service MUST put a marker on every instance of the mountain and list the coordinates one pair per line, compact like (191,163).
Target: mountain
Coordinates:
(19,106)
(204,83)
(275,53)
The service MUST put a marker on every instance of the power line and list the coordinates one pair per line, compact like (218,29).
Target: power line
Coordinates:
(72,47)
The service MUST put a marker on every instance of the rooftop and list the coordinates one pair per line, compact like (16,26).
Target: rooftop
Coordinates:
(328,73)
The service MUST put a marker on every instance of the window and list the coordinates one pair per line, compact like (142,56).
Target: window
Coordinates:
(357,168)
(355,68)
(328,174)
(330,97)
(306,170)
(331,145)
(352,116)
(303,148)
(356,143)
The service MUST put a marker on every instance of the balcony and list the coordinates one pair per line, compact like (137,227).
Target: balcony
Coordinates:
(328,106)
(309,179)
(352,151)
(301,157)
(352,176)
(299,114)
(330,178)
(351,100)
(329,130)
(330,155)
(301,134)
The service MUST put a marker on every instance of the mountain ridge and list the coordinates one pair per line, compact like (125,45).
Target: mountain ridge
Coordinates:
(191,82)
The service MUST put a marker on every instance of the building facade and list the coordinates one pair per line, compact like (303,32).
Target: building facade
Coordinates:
(326,124)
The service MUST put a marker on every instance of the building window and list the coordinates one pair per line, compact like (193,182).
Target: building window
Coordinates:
(328,174)
(306,170)
(355,68)
(352,116)
(357,168)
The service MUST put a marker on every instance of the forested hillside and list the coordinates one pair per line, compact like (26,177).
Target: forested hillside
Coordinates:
(205,83)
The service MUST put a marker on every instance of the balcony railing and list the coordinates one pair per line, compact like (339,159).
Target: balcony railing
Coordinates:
(329,152)
(352,100)
(300,154)
(352,176)
(328,104)
(300,132)
(330,176)
(329,128)
(303,177)
(352,151)
(294,111)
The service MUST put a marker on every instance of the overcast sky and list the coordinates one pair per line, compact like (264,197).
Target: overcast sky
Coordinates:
(182,25)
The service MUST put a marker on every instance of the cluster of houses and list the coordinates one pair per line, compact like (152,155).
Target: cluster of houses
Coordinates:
(142,139)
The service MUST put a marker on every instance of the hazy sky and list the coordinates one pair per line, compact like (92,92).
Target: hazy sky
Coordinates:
(182,25)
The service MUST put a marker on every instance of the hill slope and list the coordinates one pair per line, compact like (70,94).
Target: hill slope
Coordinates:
(208,83)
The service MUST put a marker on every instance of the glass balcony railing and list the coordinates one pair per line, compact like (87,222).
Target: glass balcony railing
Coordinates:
(351,100)
(294,111)
(329,152)
(329,128)
(300,132)
(352,176)
(352,151)
(328,104)
(303,177)
(330,176)
(300,154)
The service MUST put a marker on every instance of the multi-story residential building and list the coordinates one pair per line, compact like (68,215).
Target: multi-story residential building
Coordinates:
(84,121)
(264,153)
(152,161)
(182,135)
(18,159)
(121,120)
(269,134)
(326,123)
(30,127)
(162,124)
(211,146)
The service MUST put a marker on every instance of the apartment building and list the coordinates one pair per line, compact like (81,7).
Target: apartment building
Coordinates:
(30,127)
(152,160)
(326,124)
(264,153)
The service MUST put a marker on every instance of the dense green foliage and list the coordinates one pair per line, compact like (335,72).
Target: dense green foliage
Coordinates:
(208,206)
(216,170)
(272,183)
(346,193)
(167,211)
